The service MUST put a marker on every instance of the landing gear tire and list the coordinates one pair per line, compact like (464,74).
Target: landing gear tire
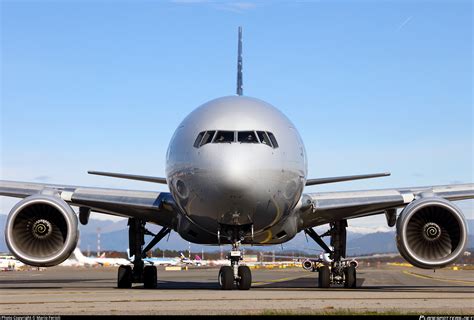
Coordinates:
(245,278)
(226,278)
(324,280)
(149,277)
(350,277)
(124,277)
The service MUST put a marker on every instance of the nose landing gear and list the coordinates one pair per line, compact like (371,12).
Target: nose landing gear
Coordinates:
(241,276)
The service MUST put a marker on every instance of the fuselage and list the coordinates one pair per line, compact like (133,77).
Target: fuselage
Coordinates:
(236,161)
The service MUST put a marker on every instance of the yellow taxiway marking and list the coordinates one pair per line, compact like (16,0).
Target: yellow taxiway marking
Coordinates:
(422,276)
(261,283)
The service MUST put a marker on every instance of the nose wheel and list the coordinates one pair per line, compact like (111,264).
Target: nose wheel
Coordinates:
(244,281)
(226,278)
(241,276)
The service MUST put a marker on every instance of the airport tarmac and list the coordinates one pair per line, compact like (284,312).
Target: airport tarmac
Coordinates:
(68,290)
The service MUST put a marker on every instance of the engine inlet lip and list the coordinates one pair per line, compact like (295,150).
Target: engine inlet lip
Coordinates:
(431,231)
(58,204)
(417,205)
(307,264)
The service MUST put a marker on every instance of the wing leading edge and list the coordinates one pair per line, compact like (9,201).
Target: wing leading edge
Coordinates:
(155,207)
(311,182)
(325,207)
(129,176)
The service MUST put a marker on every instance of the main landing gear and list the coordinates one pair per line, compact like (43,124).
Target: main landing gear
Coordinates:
(338,271)
(241,276)
(139,273)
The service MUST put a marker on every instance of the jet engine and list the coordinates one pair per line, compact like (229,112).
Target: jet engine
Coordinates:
(308,265)
(354,263)
(41,230)
(431,233)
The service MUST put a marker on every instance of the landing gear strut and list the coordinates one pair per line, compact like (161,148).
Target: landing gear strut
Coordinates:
(339,271)
(240,275)
(139,273)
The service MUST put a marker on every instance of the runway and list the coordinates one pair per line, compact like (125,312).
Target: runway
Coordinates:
(388,289)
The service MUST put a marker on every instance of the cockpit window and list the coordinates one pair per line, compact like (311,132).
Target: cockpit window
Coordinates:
(273,140)
(198,139)
(247,137)
(207,137)
(224,136)
(264,138)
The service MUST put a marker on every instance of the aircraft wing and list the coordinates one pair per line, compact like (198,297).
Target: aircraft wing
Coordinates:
(325,207)
(155,207)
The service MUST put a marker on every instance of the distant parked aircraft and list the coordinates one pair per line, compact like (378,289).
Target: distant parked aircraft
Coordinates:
(10,263)
(157,261)
(102,260)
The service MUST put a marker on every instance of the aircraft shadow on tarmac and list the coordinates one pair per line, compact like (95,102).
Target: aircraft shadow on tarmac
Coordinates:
(311,285)
(53,283)
(304,283)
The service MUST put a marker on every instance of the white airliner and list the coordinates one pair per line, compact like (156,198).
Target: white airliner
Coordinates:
(236,169)
(156,261)
(197,261)
(101,260)
(10,263)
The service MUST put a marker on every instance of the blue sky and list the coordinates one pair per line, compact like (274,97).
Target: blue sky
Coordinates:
(371,85)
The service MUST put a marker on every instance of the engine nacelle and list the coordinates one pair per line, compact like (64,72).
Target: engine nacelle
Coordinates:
(431,233)
(354,263)
(308,265)
(41,230)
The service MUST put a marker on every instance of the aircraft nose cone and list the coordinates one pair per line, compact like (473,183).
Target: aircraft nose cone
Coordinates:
(235,175)
(236,185)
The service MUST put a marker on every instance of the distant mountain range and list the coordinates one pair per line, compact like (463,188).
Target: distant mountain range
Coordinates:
(114,237)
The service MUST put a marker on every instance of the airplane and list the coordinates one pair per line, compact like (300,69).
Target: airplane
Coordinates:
(236,168)
(71,262)
(82,259)
(157,261)
(104,261)
(101,260)
(8,263)
(197,261)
